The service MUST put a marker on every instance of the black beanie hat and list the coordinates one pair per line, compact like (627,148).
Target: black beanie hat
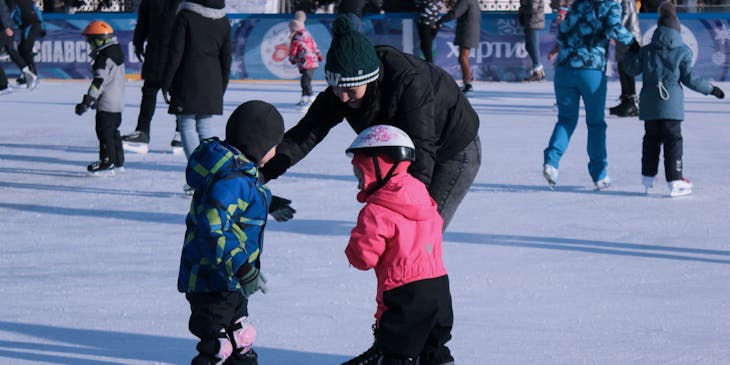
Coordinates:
(351,58)
(254,127)
(668,16)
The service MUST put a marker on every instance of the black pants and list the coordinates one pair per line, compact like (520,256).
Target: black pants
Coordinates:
(110,141)
(306,81)
(668,133)
(211,313)
(426,34)
(418,321)
(147,106)
(27,41)
(7,44)
(628,82)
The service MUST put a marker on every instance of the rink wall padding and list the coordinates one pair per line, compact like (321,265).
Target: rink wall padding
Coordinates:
(260,44)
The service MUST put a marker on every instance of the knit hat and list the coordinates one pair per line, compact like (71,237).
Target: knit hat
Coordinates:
(351,59)
(296,25)
(668,16)
(254,127)
(300,15)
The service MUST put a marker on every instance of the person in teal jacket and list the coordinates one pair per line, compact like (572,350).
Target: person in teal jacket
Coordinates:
(666,65)
(580,72)
(221,258)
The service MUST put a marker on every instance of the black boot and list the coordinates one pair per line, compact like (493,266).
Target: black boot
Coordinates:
(371,356)
(629,107)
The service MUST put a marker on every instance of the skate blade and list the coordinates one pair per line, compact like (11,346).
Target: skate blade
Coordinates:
(178,151)
(135,147)
(104,173)
(677,193)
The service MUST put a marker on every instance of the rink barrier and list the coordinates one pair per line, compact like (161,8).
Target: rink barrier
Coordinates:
(260,44)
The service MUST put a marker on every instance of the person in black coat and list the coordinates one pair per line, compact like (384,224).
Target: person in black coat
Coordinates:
(198,68)
(7,44)
(382,85)
(31,28)
(154,26)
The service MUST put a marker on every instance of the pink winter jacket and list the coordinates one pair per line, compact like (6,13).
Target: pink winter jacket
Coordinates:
(303,51)
(398,233)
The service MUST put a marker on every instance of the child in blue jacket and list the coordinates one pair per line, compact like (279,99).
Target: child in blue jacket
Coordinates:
(220,262)
(666,64)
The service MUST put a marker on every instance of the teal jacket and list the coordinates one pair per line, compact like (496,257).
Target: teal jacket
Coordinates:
(586,31)
(225,224)
(666,64)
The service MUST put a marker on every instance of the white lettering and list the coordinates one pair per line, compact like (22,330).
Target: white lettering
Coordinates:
(62,52)
(57,51)
(486,50)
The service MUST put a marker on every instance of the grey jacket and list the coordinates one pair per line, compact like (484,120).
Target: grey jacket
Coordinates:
(532,14)
(107,87)
(468,22)
(666,65)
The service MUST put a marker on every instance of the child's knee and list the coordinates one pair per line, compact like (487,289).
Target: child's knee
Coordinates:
(214,350)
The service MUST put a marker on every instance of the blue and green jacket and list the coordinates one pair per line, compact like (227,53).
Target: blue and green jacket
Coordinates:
(586,31)
(666,65)
(225,224)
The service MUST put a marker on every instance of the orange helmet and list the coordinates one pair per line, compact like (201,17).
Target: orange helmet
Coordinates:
(98,28)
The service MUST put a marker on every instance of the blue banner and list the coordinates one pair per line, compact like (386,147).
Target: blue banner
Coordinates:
(261,43)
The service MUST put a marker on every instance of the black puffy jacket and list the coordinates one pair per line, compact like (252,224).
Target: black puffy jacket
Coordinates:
(411,94)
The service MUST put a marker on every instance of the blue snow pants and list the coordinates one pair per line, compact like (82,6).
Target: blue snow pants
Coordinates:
(572,84)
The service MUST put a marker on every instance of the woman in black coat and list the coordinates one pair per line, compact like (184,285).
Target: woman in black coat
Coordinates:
(198,68)
(371,85)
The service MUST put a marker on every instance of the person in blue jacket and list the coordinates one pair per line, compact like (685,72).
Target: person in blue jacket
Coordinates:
(221,258)
(580,72)
(666,65)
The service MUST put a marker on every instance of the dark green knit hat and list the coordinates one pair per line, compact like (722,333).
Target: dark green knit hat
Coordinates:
(351,59)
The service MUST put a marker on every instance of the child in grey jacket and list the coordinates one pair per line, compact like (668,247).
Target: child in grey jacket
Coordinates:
(666,64)
(106,95)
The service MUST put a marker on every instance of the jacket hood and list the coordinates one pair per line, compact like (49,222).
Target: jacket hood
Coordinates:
(214,160)
(666,38)
(417,206)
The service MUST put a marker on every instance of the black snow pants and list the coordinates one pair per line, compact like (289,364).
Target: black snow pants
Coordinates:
(669,133)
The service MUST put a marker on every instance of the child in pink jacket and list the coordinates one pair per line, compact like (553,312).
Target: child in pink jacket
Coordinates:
(398,233)
(304,53)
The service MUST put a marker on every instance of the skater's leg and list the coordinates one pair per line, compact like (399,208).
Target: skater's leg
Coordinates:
(671,134)
(147,105)
(651,146)
(568,100)
(452,179)
(593,90)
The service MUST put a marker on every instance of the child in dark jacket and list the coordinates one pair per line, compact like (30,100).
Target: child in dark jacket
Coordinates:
(304,53)
(398,234)
(220,262)
(666,64)
(106,95)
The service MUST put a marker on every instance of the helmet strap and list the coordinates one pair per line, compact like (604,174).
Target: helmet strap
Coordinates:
(381,180)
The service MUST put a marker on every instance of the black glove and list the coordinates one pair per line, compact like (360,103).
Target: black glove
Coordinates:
(252,282)
(85,104)
(717,92)
(634,47)
(281,209)
(139,52)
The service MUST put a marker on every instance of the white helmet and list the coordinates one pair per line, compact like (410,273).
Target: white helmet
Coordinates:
(385,139)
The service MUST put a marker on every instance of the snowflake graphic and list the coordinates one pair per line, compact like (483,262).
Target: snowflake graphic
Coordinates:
(719,58)
(722,34)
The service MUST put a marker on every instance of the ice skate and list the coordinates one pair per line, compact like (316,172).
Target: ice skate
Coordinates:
(20,83)
(679,187)
(6,90)
(137,142)
(305,102)
(176,144)
(648,182)
(100,168)
(467,88)
(188,190)
(551,175)
(119,170)
(30,78)
(371,356)
(629,107)
(536,74)
(603,184)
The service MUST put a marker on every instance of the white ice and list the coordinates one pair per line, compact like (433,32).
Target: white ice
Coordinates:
(88,266)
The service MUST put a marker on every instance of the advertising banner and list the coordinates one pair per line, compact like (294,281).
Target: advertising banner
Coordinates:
(260,44)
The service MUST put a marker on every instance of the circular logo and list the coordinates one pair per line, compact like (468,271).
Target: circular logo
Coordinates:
(275,52)
(687,37)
